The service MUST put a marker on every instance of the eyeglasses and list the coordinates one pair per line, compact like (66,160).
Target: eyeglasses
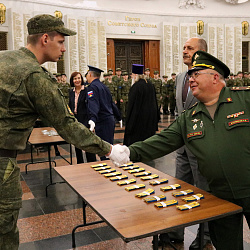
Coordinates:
(195,74)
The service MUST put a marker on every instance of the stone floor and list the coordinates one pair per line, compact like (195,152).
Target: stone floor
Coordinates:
(46,222)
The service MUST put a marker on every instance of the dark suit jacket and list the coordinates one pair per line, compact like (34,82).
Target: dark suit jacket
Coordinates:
(82,111)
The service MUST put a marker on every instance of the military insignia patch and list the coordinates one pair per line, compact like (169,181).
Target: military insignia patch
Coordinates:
(69,110)
(194,112)
(229,100)
(238,121)
(195,126)
(201,124)
(235,115)
(90,94)
(194,134)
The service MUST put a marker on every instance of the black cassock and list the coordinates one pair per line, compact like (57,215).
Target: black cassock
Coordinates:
(142,112)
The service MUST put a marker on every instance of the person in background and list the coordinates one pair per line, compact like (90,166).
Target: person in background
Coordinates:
(101,108)
(157,82)
(171,90)
(165,99)
(142,109)
(64,86)
(126,85)
(147,75)
(78,105)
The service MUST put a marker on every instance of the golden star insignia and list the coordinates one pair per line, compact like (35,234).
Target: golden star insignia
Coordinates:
(196,56)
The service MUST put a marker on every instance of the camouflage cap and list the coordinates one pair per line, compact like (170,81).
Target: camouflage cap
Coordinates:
(164,76)
(147,69)
(125,73)
(118,69)
(156,72)
(47,23)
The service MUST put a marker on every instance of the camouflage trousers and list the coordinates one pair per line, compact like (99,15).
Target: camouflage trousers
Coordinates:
(10,203)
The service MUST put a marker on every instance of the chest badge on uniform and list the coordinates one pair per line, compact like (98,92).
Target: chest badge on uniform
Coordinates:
(229,99)
(201,124)
(195,120)
(90,94)
(195,126)
(235,115)
(194,112)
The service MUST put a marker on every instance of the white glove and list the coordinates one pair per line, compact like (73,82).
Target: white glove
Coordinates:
(119,154)
(92,125)
(120,123)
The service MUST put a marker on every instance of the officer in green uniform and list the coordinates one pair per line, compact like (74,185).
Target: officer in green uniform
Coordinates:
(171,93)
(126,85)
(27,91)
(238,81)
(157,82)
(217,131)
(64,86)
(165,99)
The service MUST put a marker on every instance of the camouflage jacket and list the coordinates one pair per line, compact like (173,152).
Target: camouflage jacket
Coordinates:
(28,91)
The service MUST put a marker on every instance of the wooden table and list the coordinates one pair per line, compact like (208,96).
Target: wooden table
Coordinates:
(44,137)
(131,217)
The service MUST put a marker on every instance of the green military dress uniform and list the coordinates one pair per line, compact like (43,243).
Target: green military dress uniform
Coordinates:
(27,92)
(171,95)
(221,146)
(124,96)
(227,173)
(158,90)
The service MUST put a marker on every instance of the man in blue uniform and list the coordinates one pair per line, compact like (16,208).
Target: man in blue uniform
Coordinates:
(102,110)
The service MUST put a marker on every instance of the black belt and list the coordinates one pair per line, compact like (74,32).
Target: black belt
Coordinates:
(8,153)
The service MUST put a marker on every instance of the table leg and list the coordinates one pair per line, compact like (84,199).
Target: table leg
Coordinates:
(82,225)
(201,235)
(155,242)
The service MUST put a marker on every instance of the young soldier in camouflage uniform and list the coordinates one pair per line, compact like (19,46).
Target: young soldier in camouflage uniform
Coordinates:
(112,88)
(28,91)
(124,94)
(165,100)
(147,74)
(157,82)
(117,81)
(171,93)
(64,86)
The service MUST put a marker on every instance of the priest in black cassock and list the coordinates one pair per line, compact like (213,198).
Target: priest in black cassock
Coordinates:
(142,113)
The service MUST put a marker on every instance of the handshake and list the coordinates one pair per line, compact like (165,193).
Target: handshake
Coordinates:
(119,154)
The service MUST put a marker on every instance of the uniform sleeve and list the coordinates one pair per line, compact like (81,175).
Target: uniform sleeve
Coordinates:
(158,145)
(93,100)
(48,101)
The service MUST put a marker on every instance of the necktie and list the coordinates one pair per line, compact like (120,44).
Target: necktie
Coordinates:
(185,89)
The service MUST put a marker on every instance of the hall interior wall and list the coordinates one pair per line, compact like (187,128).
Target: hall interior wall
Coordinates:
(169,24)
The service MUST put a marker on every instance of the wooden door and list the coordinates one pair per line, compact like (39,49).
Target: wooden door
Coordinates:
(123,53)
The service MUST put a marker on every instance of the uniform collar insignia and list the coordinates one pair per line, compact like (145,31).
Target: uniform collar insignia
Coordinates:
(229,99)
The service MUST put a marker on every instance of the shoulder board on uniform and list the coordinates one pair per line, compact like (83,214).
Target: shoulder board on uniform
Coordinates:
(87,85)
(193,105)
(240,88)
